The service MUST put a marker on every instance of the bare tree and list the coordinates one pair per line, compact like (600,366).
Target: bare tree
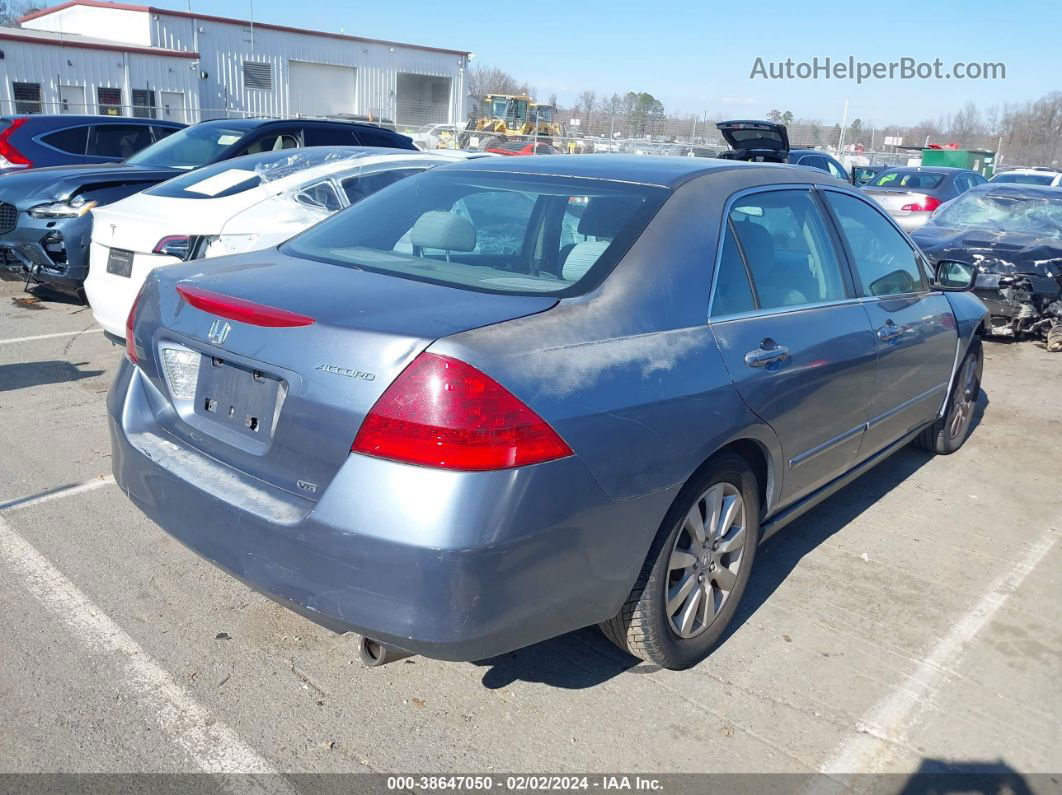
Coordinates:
(13,10)
(587,106)
(483,80)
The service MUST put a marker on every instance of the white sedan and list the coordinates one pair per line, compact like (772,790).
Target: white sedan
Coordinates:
(244,204)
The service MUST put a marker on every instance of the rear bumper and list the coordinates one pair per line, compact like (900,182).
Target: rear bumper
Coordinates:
(911,221)
(61,262)
(111,296)
(459,566)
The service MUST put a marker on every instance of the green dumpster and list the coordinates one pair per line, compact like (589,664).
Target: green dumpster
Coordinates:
(980,160)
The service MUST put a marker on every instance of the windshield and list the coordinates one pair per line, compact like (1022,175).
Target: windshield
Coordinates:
(1035,216)
(493,232)
(494,107)
(188,148)
(912,180)
(240,174)
(1024,179)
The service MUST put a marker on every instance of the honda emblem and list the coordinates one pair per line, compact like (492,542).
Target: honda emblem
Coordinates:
(219,331)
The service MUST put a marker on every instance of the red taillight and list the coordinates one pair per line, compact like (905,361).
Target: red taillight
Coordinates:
(174,246)
(244,311)
(442,412)
(130,322)
(7,149)
(926,205)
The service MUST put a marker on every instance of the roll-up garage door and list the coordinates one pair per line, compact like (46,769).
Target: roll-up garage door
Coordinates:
(319,89)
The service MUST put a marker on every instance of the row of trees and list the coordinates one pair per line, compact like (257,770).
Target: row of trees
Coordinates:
(12,10)
(1026,133)
(631,114)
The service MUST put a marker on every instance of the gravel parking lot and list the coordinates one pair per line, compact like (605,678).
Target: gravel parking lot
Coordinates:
(910,621)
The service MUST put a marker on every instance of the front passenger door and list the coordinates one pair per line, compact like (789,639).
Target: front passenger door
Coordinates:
(795,340)
(914,326)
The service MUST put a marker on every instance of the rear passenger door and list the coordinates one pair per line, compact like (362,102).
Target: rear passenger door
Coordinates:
(914,327)
(795,339)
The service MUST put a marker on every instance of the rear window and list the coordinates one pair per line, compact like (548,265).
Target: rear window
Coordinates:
(230,177)
(915,180)
(1024,179)
(501,233)
(1041,217)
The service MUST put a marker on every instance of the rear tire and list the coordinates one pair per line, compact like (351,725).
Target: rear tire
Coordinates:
(688,590)
(948,433)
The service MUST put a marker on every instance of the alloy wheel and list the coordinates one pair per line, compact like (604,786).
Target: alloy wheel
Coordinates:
(705,560)
(965,398)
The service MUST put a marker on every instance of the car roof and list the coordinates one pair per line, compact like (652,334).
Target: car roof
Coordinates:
(1037,170)
(70,119)
(945,170)
(667,172)
(1017,190)
(256,123)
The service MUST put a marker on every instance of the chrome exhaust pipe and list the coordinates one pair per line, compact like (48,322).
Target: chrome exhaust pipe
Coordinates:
(375,653)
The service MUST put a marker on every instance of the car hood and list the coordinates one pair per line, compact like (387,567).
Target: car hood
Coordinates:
(34,185)
(992,250)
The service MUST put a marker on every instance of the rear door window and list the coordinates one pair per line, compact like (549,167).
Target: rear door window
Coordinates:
(885,263)
(360,186)
(733,294)
(273,142)
(329,136)
(321,195)
(813,161)
(72,140)
(788,248)
(118,141)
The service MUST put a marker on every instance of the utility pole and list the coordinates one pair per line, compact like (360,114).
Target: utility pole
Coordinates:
(844,121)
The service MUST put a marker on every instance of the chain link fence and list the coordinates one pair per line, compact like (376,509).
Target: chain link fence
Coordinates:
(599,133)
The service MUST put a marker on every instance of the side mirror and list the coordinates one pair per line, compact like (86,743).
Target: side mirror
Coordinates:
(954,275)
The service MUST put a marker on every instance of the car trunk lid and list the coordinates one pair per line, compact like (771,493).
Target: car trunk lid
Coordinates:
(893,200)
(269,363)
(755,139)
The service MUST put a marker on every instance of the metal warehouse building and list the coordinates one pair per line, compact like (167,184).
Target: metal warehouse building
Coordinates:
(88,56)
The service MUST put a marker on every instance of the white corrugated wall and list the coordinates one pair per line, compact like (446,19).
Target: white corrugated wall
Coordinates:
(52,65)
(223,47)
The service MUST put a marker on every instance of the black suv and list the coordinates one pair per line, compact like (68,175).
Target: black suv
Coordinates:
(45,225)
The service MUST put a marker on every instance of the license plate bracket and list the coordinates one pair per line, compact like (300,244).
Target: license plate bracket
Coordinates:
(120,262)
(242,399)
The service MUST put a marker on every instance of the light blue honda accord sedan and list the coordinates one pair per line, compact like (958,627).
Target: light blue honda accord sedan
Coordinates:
(506,399)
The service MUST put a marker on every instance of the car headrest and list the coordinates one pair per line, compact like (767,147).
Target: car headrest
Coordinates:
(443,230)
(604,216)
(581,257)
(757,241)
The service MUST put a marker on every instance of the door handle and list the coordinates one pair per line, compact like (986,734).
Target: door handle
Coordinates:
(769,353)
(889,332)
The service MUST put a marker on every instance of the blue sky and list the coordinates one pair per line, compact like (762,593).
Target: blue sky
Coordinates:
(697,56)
